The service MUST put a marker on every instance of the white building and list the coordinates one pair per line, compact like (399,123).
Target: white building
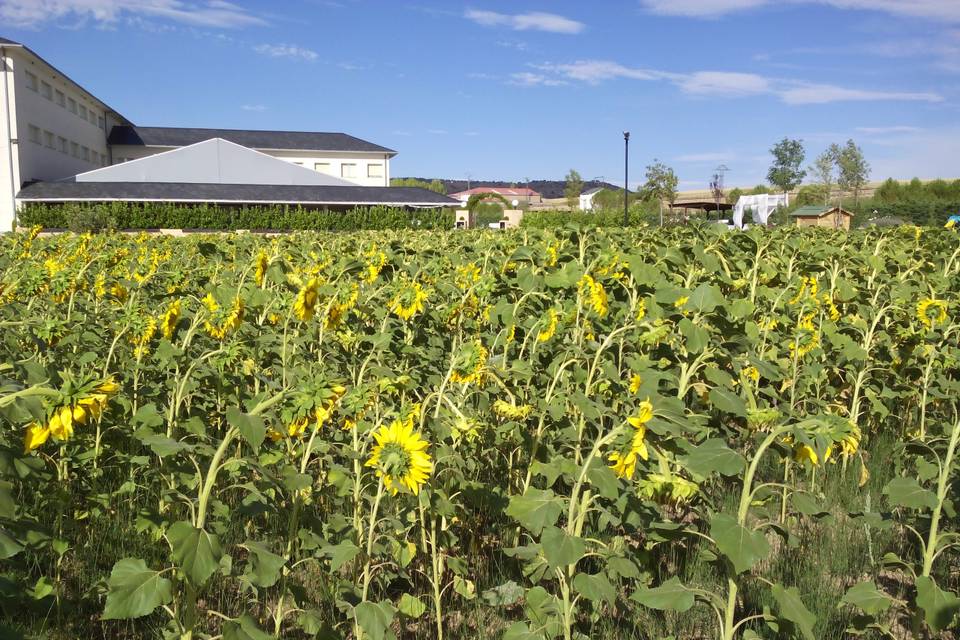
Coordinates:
(52,129)
(586,198)
(759,206)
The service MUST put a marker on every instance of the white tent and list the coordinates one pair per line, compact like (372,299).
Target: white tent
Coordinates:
(760,206)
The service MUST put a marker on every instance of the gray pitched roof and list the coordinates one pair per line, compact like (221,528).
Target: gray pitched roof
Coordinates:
(5,41)
(233,194)
(299,140)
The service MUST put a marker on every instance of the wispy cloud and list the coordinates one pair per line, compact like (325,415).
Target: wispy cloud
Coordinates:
(437,132)
(210,13)
(286,51)
(535,21)
(929,9)
(258,108)
(712,83)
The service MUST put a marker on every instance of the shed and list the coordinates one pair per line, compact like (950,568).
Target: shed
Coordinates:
(819,216)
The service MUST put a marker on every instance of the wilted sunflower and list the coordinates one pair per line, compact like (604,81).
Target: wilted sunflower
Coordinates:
(400,458)
(261,263)
(931,311)
(408,301)
(510,410)
(625,460)
(62,421)
(168,323)
(594,294)
(548,331)
(471,364)
(306,303)
(667,488)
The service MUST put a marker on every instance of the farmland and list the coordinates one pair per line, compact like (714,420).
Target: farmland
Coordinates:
(642,433)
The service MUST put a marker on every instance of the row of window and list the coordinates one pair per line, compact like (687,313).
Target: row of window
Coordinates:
(347,169)
(45,89)
(49,140)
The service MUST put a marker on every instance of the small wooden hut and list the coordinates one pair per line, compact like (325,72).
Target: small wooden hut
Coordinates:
(827,217)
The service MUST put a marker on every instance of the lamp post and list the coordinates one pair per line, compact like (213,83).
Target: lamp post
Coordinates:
(626,177)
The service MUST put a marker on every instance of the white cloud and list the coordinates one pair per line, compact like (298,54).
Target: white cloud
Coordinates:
(286,51)
(253,107)
(824,94)
(535,21)
(930,9)
(209,13)
(726,84)
(880,131)
(437,132)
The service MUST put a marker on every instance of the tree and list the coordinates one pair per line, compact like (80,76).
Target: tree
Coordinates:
(853,169)
(573,189)
(661,184)
(435,185)
(823,170)
(785,172)
(734,195)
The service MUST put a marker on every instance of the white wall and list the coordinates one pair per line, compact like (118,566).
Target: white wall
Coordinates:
(307,159)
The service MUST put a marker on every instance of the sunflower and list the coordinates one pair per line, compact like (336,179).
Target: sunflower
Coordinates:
(635,382)
(400,458)
(35,436)
(951,223)
(804,452)
(408,301)
(625,459)
(510,410)
(168,323)
(261,263)
(931,312)
(595,295)
(306,303)
(471,364)
(547,332)
(667,488)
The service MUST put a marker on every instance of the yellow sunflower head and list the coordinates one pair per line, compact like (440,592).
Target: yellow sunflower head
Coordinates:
(408,301)
(400,458)
(932,312)
(168,323)
(306,303)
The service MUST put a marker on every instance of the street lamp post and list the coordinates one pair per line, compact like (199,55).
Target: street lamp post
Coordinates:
(626,177)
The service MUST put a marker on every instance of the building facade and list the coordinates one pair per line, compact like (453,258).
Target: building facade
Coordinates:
(52,129)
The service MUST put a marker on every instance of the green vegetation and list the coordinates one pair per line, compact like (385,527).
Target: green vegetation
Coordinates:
(785,172)
(433,185)
(573,189)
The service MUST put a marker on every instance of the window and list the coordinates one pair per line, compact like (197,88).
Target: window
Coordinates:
(348,170)
(83,112)
(103,159)
(74,149)
(49,139)
(31,81)
(34,133)
(101,123)
(72,105)
(61,99)
(322,167)
(46,90)
(63,144)
(85,153)
(374,170)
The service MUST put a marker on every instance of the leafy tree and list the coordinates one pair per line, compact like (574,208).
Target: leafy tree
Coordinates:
(661,184)
(435,185)
(853,169)
(823,171)
(785,172)
(734,195)
(760,189)
(810,194)
(573,189)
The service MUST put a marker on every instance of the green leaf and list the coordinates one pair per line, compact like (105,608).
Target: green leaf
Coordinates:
(535,509)
(714,456)
(670,596)
(8,546)
(792,608)
(160,444)
(560,549)
(342,554)
(410,606)
(907,492)
(867,597)
(939,606)
(244,628)
(265,565)
(134,590)
(594,587)
(251,427)
(743,547)
(728,402)
(520,631)
(543,610)
(504,595)
(466,588)
(195,551)
(603,479)
(375,619)
(705,298)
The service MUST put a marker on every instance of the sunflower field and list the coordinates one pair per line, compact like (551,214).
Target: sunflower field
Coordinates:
(537,434)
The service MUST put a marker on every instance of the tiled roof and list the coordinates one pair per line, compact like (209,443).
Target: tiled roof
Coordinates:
(299,140)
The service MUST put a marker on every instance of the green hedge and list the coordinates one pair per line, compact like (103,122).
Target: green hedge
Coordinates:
(126,215)
(931,213)
(604,218)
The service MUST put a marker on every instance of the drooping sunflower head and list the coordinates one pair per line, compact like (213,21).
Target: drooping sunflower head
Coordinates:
(261,263)
(170,319)
(306,303)
(400,458)
(931,312)
(470,364)
(550,322)
(593,295)
(408,301)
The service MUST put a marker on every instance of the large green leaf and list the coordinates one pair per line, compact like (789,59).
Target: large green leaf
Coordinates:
(705,298)
(535,509)
(375,619)
(743,547)
(543,611)
(411,606)
(135,590)
(867,597)
(907,492)
(342,554)
(265,565)
(8,546)
(594,587)
(503,595)
(939,607)
(791,608)
(252,428)
(670,596)
(714,456)
(195,551)
(560,549)
(244,628)
(728,402)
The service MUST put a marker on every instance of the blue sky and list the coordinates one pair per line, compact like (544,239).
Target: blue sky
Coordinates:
(525,89)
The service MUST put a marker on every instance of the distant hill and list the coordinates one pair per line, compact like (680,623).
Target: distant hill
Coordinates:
(548,188)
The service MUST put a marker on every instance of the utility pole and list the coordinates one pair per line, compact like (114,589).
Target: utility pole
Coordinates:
(626,178)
